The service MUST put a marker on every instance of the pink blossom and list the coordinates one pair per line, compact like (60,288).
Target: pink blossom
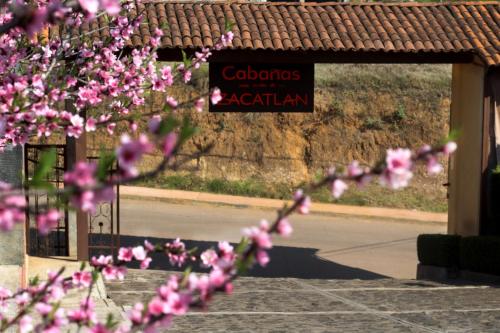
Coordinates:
(186,73)
(398,168)
(209,257)
(135,314)
(112,7)
(284,227)
(178,303)
(76,127)
(139,253)
(86,312)
(111,272)
(82,175)
(198,105)
(88,200)
(149,247)
(171,102)
(9,216)
(217,277)
(82,279)
(166,75)
(71,81)
(110,128)
(91,6)
(398,160)
(25,324)
(338,188)
(90,125)
(43,308)
(225,247)
(260,237)
(187,76)
(449,148)
(433,166)
(130,151)
(101,261)
(227,38)
(145,263)
(5,293)
(304,202)
(262,258)
(157,306)
(216,96)
(23,299)
(169,144)
(353,169)
(176,252)
(47,221)
(15,201)
(89,94)
(125,254)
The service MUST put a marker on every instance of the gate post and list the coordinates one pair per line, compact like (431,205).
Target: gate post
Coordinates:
(76,150)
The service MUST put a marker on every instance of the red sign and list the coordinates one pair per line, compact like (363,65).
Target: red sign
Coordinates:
(263,87)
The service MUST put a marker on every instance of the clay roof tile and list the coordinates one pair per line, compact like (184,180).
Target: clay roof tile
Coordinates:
(360,27)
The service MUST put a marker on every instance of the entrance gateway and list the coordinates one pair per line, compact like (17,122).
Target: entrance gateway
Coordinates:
(103,225)
(464,34)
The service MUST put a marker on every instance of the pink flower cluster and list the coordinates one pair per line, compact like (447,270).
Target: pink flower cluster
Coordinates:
(130,152)
(106,266)
(176,252)
(397,169)
(86,196)
(139,253)
(45,222)
(11,211)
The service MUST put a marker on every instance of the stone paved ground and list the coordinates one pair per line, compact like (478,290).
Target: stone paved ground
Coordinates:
(312,305)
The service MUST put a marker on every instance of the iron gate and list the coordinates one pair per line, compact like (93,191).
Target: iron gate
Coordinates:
(56,243)
(103,225)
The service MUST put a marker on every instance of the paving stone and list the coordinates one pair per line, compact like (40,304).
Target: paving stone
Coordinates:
(426,299)
(285,324)
(377,283)
(457,321)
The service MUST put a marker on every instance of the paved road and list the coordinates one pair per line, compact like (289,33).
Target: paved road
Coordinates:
(264,305)
(333,247)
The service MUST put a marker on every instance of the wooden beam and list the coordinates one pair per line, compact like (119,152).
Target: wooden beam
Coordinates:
(76,150)
(465,168)
(321,56)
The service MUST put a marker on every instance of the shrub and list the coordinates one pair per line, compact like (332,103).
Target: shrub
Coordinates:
(480,254)
(438,250)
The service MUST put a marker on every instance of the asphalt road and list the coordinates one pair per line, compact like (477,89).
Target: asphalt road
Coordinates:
(336,247)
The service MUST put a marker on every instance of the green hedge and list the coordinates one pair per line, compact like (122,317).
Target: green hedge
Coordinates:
(480,254)
(438,250)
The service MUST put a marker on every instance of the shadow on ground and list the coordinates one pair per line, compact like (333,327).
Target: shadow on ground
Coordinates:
(285,262)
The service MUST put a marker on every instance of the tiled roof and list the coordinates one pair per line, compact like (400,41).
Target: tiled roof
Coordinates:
(361,27)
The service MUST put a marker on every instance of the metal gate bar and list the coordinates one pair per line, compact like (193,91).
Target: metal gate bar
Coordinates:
(56,243)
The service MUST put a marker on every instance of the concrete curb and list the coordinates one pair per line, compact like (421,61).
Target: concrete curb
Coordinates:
(136,192)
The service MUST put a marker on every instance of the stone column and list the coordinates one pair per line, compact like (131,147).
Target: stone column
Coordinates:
(12,244)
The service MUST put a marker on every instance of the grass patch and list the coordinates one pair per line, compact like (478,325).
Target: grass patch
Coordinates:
(372,195)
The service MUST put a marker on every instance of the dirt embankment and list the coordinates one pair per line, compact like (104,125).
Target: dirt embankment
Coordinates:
(360,111)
